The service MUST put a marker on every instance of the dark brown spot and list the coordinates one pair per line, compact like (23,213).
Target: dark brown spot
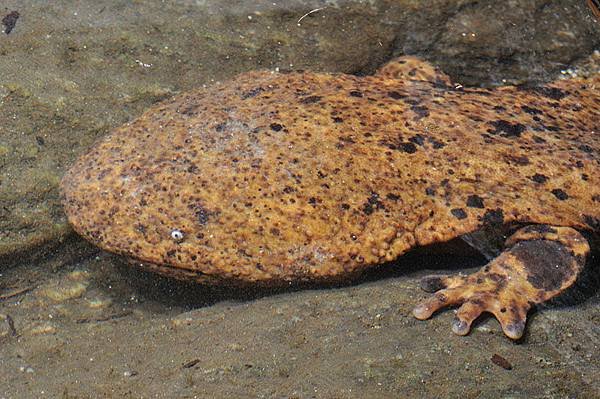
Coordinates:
(202,214)
(417,139)
(551,92)
(539,139)
(373,203)
(493,217)
(392,197)
(420,110)
(436,144)
(507,129)
(531,110)
(548,263)
(276,127)
(310,99)
(519,160)
(356,93)
(409,148)
(539,178)
(252,93)
(171,253)
(560,194)
(459,213)
(396,96)
(475,201)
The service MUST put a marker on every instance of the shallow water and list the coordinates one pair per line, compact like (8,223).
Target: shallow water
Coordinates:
(77,323)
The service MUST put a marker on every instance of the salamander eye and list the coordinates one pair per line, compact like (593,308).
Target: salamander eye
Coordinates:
(177,235)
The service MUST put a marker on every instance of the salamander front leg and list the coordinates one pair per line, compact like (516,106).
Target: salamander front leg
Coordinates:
(539,262)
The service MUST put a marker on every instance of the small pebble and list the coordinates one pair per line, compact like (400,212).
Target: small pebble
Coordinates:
(500,361)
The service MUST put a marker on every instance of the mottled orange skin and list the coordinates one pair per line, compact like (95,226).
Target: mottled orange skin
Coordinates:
(306,176)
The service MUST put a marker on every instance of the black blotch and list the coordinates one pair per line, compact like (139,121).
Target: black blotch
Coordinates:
(202,214)
(276,127)
(171,253)
(539,178)
(40,140)
(312,201)
(418,139)
(493,217)
(356,93)
(586,148)
(409,148)
(310,99)
(551,128)
(252,93)
(435,143)
(430,191)
(458,213)
(412,101)
(560,194)
(551,92)
(392,196)
(475,201)
(519,160)
(507,129)
(395,95)
(345,206)
(337,119)
(420,110)
(190,110)
(220,127)
(10,20)
(499,108)
(288,190)
(540,258)
(373,203)
(531,110)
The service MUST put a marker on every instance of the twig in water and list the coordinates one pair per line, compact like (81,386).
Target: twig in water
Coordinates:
(310,12)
